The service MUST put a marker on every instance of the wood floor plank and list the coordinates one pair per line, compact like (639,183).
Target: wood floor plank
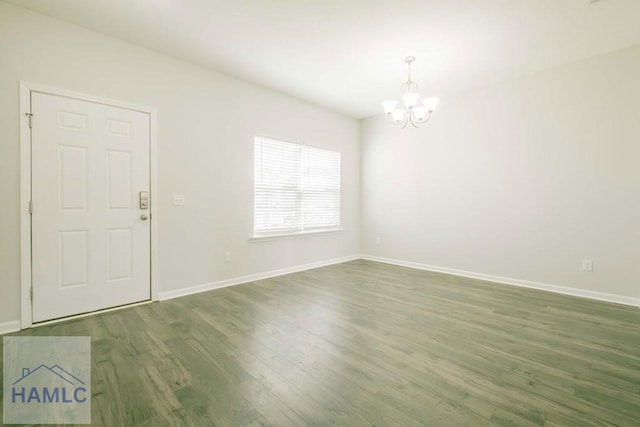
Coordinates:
(360,344)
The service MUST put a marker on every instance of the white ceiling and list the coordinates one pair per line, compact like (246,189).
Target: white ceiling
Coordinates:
(347,55)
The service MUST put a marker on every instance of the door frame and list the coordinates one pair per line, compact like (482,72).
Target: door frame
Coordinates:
(26,261)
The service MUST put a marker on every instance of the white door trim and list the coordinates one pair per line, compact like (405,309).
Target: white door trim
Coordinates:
(26,88)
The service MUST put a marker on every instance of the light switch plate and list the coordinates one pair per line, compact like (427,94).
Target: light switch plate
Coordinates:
(178,200)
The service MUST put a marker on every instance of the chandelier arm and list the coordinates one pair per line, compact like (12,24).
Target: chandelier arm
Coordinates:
(389,117)
(425,120)
(428,117)
(414,124)
(393,122)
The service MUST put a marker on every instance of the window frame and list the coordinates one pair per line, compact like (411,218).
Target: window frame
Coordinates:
(303,168)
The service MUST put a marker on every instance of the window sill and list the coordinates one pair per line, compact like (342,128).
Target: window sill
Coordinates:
(293,235)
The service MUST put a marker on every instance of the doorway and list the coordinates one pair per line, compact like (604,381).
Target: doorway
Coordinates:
(91,222)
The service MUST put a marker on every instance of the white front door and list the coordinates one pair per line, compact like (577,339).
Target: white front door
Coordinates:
(90,237)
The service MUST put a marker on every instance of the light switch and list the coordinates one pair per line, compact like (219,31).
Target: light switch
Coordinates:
(178,200)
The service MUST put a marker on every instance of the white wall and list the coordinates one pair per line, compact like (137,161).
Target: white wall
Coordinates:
(205,131)
(522,180)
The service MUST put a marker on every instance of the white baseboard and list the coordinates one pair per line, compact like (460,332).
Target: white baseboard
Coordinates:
(252,277)
(8,327)
(600,296)
(14,326)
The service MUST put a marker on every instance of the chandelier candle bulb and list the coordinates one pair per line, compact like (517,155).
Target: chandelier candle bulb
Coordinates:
(430,103)
(420,113)
(397,115)
(410,99)
(410,96)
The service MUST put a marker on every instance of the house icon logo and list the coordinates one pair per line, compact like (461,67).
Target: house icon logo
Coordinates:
(46,380)
(48,384)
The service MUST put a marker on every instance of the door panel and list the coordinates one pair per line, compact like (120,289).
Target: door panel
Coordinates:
(91,250)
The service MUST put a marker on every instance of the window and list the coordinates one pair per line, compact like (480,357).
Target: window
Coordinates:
(296,188)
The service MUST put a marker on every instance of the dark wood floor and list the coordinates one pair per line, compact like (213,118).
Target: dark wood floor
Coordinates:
(361,344)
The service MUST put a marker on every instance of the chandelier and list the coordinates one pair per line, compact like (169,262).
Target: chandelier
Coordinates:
(414,114)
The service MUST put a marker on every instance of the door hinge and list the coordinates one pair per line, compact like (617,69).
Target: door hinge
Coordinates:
(31,294)
(30,117)
(30,207)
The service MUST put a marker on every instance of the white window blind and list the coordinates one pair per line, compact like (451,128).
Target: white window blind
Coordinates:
(296,188)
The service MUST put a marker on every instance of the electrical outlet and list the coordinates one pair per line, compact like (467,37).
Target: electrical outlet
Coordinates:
(227,257)
(178,200)
(587,265)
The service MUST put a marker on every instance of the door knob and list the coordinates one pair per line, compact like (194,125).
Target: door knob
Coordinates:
(144,217)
